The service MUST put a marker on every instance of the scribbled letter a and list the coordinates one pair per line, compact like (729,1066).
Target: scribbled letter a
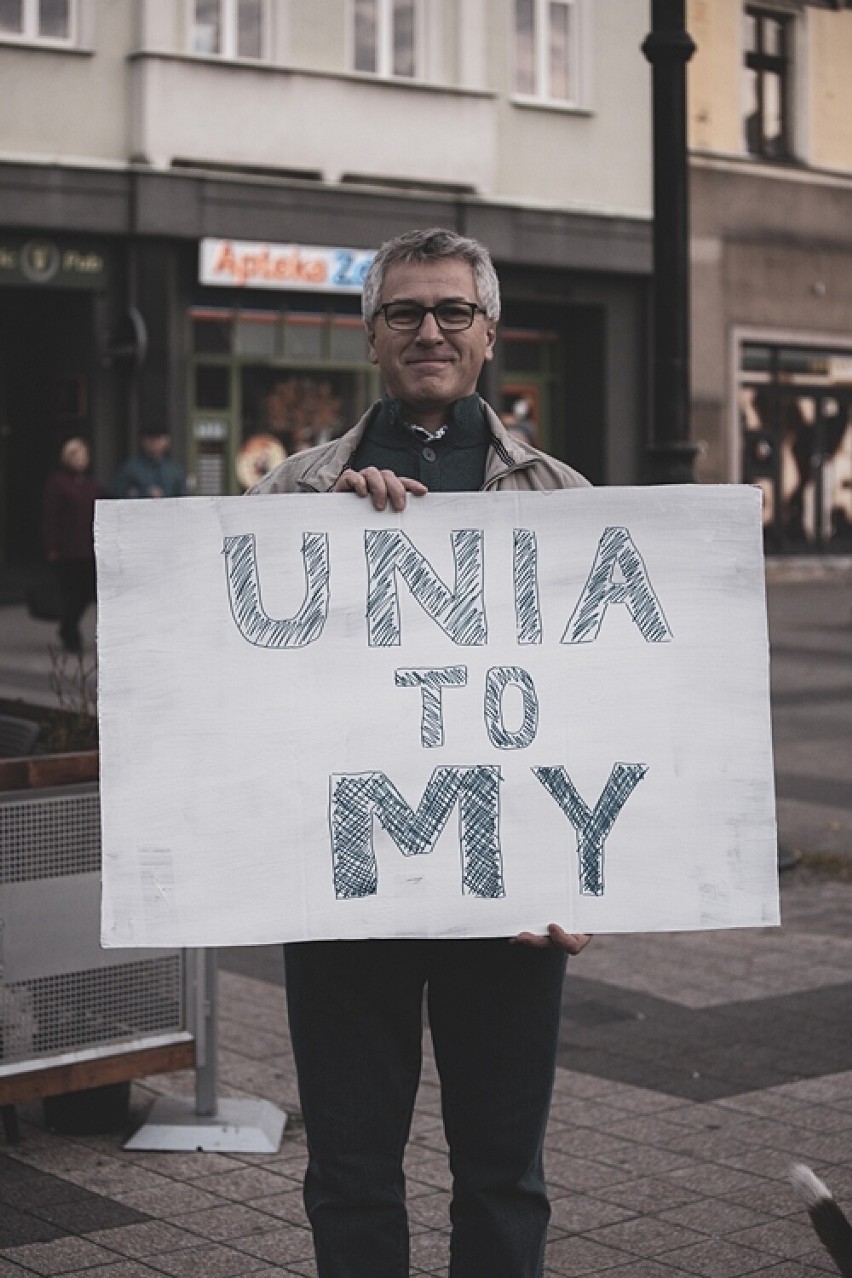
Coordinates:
(617,551)
(253,622)
(358,797)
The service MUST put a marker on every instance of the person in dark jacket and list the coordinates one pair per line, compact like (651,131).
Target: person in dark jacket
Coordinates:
(68,516)
(152,473)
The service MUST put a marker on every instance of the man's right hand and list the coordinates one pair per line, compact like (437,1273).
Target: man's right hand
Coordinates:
(381,486)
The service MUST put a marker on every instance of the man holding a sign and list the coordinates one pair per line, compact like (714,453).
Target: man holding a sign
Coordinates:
(431,304)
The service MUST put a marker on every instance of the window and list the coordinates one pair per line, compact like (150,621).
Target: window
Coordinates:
(547,50)
(47,21)
(767,72)
(229,28)
(387,38)
(795,413)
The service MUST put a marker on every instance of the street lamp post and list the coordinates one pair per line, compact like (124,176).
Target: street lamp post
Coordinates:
(668,48)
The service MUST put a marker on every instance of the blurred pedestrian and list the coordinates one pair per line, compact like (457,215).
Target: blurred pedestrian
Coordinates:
(67,524)
(520,422)
(152,473)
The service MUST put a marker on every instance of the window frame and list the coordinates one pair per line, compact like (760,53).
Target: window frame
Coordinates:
(30,34)
(385,46)
(229,26)
(578,54)
(764,64)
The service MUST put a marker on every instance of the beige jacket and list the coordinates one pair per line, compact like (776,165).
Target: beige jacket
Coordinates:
(512,465)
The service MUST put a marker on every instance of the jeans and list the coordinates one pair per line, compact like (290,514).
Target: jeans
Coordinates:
(356,1024)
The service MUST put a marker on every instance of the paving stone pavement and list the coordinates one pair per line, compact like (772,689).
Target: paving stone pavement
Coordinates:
(694,1069)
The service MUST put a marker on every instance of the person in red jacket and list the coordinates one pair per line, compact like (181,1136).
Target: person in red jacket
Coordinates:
(68,517)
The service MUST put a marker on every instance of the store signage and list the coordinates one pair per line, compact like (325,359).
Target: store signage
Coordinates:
(254,264)
(485,714)
(840,369)
(48,262)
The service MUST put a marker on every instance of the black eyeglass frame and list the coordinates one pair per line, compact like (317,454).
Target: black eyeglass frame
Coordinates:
(473,309)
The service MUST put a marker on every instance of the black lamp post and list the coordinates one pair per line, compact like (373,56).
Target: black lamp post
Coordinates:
(668,48)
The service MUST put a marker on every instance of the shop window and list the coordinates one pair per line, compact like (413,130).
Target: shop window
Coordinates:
(795,412)
(229,28)
(547,50)
(211,332)
(257,333)
(294,408)
(41,21)
(527,350)
(303,336)
(212,386)
(528,385)
(386,37)
(348,340)
(767,70)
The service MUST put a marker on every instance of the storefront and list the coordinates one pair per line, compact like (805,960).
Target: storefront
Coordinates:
(279,360)
(53,304)
(282,365)
(204,306)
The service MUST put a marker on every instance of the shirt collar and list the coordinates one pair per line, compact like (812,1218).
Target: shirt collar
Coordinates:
(465,426)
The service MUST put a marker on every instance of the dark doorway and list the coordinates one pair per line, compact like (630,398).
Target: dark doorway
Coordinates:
(553,362)
(46,350)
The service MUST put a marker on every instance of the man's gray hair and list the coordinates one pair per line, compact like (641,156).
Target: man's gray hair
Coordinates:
(426,246)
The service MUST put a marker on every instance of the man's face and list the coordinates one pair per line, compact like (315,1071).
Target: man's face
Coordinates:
(75,456)
(428,370)
(155,446)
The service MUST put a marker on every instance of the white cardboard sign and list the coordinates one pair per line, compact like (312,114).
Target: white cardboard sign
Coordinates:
(482,715)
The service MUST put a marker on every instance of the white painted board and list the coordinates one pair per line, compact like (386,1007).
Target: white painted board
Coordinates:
(485,714)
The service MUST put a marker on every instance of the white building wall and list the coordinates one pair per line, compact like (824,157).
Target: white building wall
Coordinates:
(139,96)
(70,105)
(203,113)
(599,156)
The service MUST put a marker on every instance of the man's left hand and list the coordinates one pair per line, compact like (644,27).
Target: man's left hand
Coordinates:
(556,937)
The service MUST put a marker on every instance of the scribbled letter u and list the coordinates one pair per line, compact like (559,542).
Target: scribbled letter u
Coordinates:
(253,622)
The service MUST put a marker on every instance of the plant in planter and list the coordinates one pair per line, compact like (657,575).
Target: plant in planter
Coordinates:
(67,744)
(74,724)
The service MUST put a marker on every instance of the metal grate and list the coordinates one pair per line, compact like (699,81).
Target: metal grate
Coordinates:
(46,834)
(70,1004)
(78,1010)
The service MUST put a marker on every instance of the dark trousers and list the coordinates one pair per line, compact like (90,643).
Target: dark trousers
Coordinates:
(76,579)
(356,1013)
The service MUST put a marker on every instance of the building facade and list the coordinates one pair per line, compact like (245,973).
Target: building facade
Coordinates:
(190,191)
(770,100)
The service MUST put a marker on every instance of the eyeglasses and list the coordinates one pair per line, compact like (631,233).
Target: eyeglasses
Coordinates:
(451,317)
